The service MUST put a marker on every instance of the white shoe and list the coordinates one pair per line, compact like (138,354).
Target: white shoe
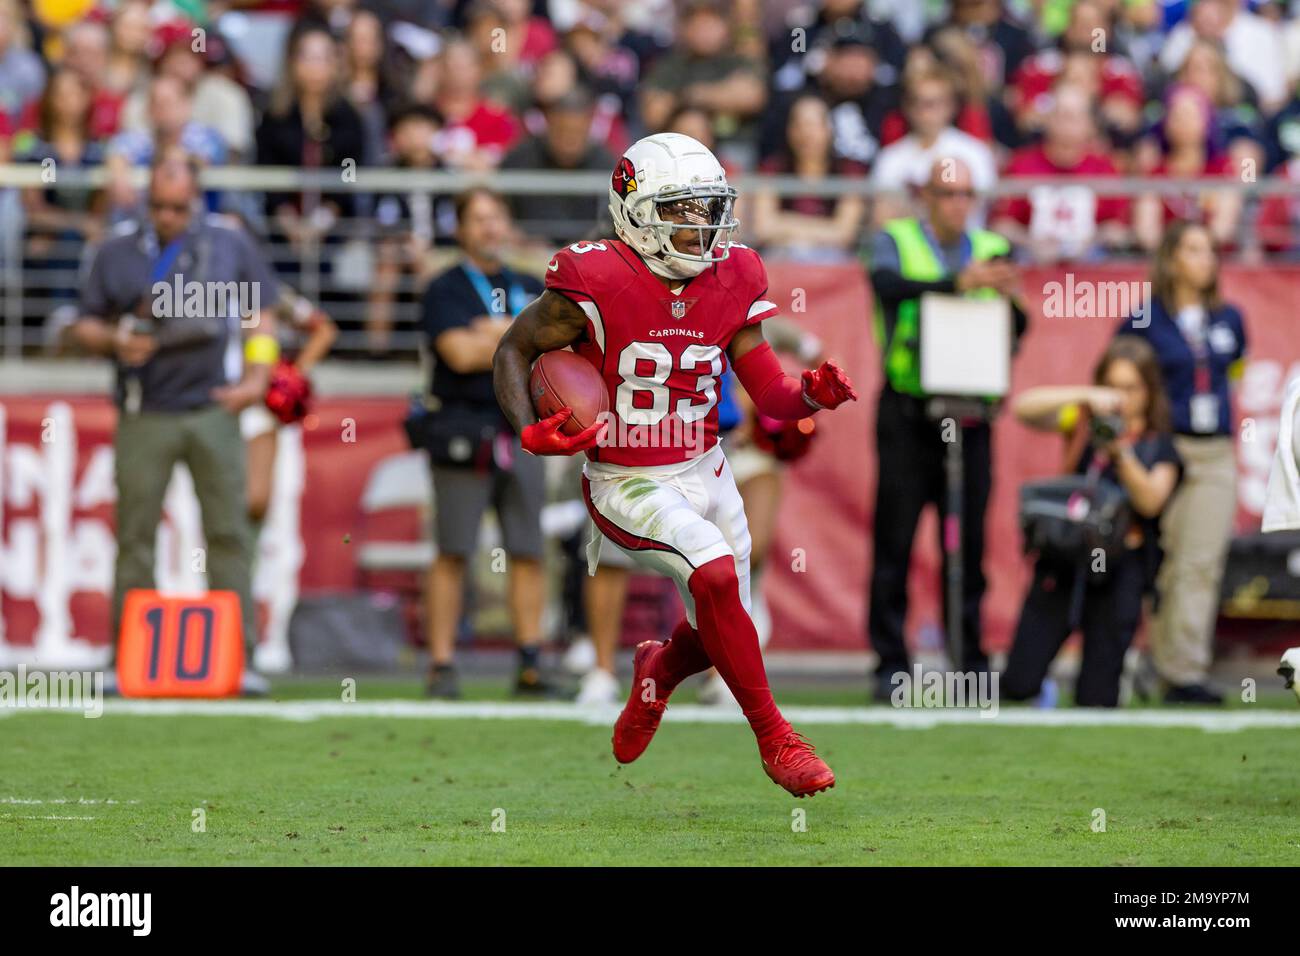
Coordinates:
(599,688)
(253,684)
(581,656)
(716,693)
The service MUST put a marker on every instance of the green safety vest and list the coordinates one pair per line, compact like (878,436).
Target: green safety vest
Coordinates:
(918,262)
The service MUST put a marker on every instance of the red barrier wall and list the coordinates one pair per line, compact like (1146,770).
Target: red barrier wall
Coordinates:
(56,496)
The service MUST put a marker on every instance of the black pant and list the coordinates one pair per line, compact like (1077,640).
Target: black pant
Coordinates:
(1111,608)
(910,450)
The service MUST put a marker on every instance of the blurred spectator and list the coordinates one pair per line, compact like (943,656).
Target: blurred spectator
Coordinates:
(1189,150)
(170,128)
(808,227)
(1282,135)
(1252,44)
(22,76)
(930,105)
(500,54)
(1139,31)
(794,67)
(566,145)
(983,114)
(365,55)
(533,36)
(1003,43)
(86,50)
(1054,15)
(1236,107)
(220,101)
(478,132)
(703,70)
(1086,45)
(748,38)
(605,65)
(558,75)
(128,57)
(844,73)
(310,123)
(407,226)
(332,16)
(60,221)
(1069,221)
(477,461)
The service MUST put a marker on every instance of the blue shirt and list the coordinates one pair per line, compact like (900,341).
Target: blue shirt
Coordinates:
(1225,336)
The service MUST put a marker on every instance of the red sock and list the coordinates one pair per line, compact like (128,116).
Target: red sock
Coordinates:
(728,637)
(681,657)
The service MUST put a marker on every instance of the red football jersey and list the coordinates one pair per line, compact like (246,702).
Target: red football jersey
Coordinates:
(661,354)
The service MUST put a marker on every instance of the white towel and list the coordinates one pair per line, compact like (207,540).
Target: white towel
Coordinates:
(1282,500)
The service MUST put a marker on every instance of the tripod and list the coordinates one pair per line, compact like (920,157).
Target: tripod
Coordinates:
(962,411)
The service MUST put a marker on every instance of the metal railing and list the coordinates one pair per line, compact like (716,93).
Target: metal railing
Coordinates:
(39,275)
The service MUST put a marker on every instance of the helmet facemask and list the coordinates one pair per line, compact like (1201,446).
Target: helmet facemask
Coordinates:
(704,211)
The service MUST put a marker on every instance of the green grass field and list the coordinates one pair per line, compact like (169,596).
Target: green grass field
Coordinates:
(380,790)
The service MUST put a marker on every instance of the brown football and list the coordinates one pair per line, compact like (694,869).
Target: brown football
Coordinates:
(565,378)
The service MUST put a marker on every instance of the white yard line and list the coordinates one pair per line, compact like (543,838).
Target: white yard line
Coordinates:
(905,718)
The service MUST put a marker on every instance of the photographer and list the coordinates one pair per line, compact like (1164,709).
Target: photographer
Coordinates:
(1118,434)
(476,458)
(177,394)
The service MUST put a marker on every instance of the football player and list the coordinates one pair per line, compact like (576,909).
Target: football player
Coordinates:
(659,312)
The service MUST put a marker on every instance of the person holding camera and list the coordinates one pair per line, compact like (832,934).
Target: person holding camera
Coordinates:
(180,382)
(1097,556)
(476,457)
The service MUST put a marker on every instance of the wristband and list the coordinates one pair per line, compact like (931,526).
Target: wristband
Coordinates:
(1068,417)
(262,349)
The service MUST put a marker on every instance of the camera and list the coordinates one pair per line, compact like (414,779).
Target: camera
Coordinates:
(1106,428)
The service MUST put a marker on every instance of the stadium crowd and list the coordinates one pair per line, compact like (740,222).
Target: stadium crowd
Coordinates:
(1054,88)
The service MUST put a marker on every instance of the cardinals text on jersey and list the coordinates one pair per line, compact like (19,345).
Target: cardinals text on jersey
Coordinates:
(660,353)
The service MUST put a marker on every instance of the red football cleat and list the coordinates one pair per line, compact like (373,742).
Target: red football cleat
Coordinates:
(792,763)
(640,718)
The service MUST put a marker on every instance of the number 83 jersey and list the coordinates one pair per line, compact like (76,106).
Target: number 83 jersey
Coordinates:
(660,353)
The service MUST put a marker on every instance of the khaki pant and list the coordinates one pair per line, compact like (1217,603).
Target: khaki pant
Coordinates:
(1196,529)
(147,447)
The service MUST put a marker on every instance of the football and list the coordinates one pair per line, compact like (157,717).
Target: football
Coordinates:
(564,378)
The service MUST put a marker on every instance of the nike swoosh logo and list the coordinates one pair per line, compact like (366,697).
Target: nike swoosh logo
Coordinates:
(553,266)
(718,473)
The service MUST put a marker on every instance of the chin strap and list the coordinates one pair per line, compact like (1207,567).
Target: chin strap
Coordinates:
(674,268)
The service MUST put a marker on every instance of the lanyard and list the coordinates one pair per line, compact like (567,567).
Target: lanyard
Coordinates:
(162,266)
(1199,346)
(515,296)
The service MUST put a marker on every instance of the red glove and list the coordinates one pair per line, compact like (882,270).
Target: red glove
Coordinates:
(828,387)
(545,437)
(289,394)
